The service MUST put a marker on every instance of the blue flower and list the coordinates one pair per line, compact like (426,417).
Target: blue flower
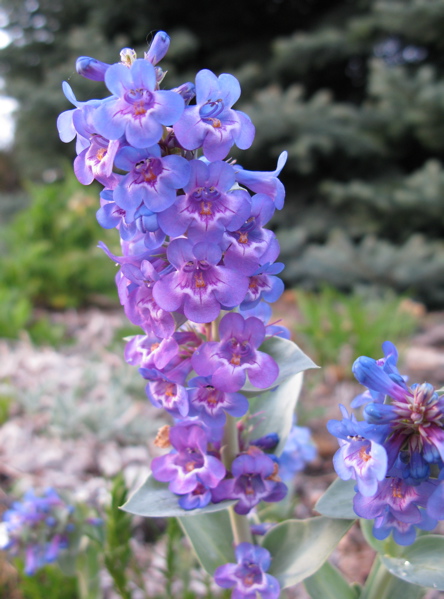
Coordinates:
(361,455)
(299,449)
(211,123)
(255,479)
(137,109)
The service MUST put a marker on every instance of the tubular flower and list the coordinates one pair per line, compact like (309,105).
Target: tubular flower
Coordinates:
(236,355)
(194,246)
(137,109)
(212,124)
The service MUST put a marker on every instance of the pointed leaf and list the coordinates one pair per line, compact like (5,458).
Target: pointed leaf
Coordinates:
(154,500)
(274,410)
(300,547)
(290,359)
(421,563)
(337,501)
(211,538)
(328,583)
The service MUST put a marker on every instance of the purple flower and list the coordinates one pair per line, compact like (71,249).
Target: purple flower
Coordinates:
(209,205)
(251,245)
(37,528)
(96,160)
(265,182)
(248,576)
(263,311)
(200,285)
(142,310)
(370,374)
(267,442)
(388,365)
(151,180)
(188,93)
(236,355)
(397,507)
(397,496)
(264,285)
(189,465)
(415,418)
(197,498)
(254,480)
(158,48)
(211,123)
(361,455)
(65,120)
(135,281)
(109,216)
(404,533)
(136,110)
(210,404)
(150,352)
(166,393)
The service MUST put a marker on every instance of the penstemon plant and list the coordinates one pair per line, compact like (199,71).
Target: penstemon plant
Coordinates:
(197,274)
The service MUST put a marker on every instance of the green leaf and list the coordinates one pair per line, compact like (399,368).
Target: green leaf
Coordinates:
(337,501)
(212,539)
(275,410)
(421,563)
(155,500)
(300,547)
(328,583)
(290,358)
(380,584)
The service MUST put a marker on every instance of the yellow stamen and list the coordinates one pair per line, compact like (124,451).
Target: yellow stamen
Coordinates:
(199,282)
(364,455)
(205,209)
(170,390)
(235,360)
(162,439)
(101,154)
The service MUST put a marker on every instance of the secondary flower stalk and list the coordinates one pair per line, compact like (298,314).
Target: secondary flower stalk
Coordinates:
(396,454)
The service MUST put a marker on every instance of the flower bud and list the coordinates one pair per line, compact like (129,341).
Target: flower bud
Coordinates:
(159,47)
(267,442)
(186,90)
(90,68)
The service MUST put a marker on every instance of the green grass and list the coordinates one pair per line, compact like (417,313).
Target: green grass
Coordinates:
(336,328)
(50,257)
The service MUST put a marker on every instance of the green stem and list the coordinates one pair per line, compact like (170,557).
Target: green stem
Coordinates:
(230,449)
(377,582)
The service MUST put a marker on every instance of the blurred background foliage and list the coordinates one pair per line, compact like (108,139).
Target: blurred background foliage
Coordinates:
(353,89)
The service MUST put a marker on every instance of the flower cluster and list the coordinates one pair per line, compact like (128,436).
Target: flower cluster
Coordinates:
(194,246)
(37,528)
(198,267)
(396,453)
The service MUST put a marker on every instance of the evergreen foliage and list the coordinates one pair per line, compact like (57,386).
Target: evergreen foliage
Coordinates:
(353,89)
